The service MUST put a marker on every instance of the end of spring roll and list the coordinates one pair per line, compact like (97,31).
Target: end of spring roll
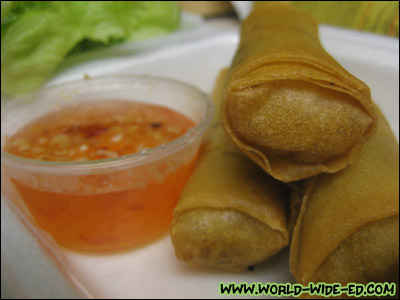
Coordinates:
(288,104)
(348,226)
(231,214)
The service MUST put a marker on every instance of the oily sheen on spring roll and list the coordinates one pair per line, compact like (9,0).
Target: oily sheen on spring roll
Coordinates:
(348,226)
(231,214)
(288,105)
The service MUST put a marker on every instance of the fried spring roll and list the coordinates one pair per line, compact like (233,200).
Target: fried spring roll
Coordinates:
(288,104)
(348,226)
(231,214)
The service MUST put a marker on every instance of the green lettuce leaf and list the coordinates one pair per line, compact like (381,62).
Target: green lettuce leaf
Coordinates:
(37,35)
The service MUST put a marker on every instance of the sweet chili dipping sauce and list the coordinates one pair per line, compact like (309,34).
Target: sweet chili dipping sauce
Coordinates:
(101,211)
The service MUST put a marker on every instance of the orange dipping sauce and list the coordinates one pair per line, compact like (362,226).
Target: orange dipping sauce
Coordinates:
(89,131)
(104,210)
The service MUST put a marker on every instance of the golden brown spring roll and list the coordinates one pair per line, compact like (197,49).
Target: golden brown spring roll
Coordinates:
(348,226)
(231,214)
(288,104)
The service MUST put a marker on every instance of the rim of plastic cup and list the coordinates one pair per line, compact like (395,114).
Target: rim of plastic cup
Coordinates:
(137,158)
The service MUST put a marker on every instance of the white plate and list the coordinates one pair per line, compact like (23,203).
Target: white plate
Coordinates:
(153,271)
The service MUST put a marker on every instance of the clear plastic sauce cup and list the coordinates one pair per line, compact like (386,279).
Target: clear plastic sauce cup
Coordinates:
(108,204)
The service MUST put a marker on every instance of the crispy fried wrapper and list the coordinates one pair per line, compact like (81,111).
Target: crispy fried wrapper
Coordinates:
(348,224)
(231,214)
(288,105)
